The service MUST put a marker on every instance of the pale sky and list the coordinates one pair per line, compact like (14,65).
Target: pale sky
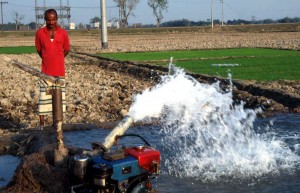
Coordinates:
(83,10)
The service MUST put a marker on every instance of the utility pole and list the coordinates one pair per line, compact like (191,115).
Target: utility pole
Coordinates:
(212,14)
(104,42)
(222,1)
(61,15)
(2,27)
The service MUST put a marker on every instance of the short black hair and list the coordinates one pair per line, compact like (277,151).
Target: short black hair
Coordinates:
(50,11)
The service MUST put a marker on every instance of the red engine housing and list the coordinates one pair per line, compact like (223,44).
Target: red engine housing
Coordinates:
(148,158)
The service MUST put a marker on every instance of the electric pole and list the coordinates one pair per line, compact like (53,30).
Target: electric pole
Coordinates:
(104,42)
(212,14)
(2,27)
(222,1)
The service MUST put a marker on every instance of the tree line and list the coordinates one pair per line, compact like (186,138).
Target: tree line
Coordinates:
(174,23)
(186,22)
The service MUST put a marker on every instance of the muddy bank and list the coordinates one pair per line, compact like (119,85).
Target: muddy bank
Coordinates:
(36,172)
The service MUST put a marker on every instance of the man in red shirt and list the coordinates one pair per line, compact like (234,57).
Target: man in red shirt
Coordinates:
(52,44)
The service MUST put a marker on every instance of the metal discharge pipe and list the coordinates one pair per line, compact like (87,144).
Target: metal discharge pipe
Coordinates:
(120,129)
(57,112)
(57,106)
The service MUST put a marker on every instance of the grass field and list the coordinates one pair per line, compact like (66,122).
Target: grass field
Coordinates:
(246,63)
(18,50)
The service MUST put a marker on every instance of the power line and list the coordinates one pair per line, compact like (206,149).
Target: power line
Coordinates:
(18,5)
(93,7)
(73,7)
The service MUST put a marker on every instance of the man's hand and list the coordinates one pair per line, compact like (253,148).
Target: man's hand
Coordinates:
(66,53)
(40,53)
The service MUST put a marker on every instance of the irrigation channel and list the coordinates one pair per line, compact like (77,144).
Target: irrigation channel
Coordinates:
(208,142)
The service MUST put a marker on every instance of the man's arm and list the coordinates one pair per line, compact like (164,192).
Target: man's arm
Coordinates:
(66,52)
(39,52)
(38,44)
(66,45)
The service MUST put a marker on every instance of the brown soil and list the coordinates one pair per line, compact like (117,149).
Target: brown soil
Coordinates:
(100,91)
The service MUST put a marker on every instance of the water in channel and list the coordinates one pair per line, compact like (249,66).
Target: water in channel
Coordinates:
(8,165)
(208,143)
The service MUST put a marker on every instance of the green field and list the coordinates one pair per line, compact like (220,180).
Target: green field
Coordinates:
(18,50)
(245,63)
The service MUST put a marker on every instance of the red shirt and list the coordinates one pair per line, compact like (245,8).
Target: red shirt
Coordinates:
(53,61)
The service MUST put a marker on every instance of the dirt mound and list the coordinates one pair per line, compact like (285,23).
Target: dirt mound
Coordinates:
(36,172)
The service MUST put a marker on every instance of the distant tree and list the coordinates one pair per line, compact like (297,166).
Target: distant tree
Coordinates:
(88,26)
(238,22)
(94,20)
(126,8)
(203,23)
(158,6)
(186,22)
(17,18)
(289,20)
(32,25)
(9,26)
(253,19)
(177,23)
(296,19)
(217,21)
(267,21)
(80,26)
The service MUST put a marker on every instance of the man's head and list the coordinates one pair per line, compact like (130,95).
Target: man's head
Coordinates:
(50,17)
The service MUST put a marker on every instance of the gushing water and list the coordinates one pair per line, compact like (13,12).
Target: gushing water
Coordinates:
(206,135)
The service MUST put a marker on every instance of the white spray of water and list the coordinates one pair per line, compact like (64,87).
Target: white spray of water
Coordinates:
(206,136)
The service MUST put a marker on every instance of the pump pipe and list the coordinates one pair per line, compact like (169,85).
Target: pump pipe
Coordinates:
(57,113)
(33,71)
(61,152)
(120,129)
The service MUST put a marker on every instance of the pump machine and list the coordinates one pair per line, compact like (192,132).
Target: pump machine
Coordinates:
(122,170)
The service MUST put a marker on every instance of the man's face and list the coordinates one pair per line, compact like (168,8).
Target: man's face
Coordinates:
(51,20)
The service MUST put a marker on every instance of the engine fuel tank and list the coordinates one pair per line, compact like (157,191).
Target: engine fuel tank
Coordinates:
(146,156)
